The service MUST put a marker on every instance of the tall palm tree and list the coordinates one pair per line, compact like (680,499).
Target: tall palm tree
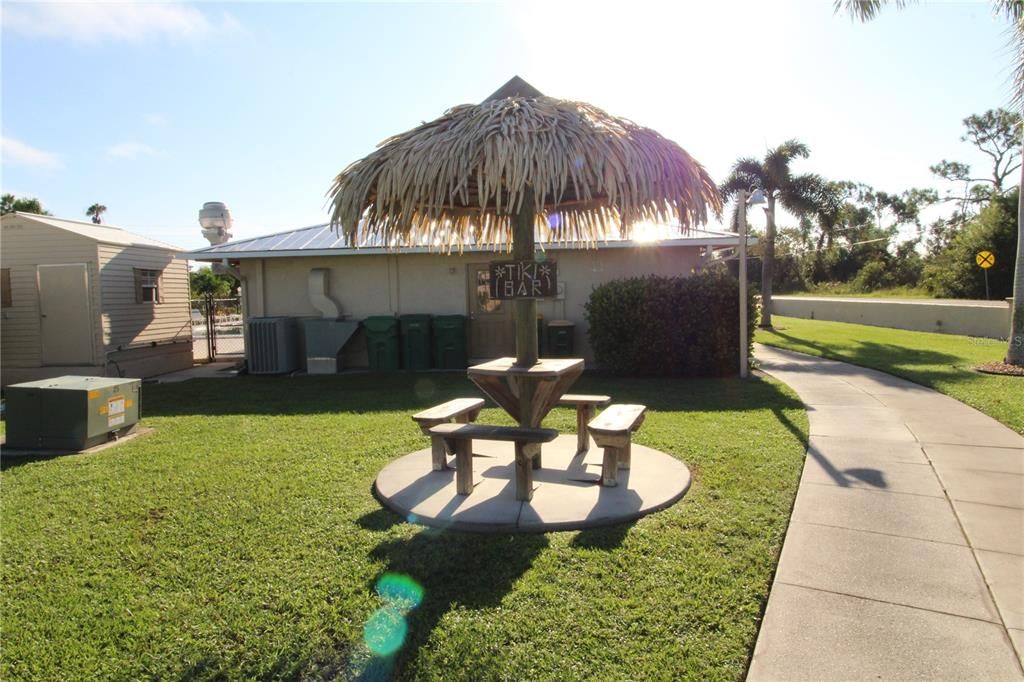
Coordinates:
(95,211)
(1012,10)
(799,194)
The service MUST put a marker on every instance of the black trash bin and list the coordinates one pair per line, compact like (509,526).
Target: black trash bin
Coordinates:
(415,341)
(560,339)
(449,341)
(382,343)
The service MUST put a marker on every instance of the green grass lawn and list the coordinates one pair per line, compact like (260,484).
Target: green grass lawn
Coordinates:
(241,540)
(941,361)
(846,291)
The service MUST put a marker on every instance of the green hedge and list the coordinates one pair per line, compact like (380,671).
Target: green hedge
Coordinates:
(680,326)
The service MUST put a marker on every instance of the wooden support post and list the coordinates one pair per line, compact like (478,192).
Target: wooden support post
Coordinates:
(464,467)
(438,453)
(526,309)
(524,472)
(535,460)
(625,453)
(584,413)
(609,470)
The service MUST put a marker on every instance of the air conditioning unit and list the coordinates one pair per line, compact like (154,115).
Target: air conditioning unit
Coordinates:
(273,347)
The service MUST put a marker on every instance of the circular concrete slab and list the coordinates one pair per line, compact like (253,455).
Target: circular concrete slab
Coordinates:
(567,491)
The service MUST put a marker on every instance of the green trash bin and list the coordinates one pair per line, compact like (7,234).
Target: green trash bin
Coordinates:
(382,342)
(449,341)
(560,339)
(415,341)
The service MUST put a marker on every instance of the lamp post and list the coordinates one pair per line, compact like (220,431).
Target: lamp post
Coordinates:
(756,198)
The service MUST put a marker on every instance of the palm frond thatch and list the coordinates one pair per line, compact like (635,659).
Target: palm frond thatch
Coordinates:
(461,177)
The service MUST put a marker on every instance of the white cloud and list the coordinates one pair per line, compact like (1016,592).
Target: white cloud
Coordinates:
(156,119)
(130,150)
(89,22)
(16,153)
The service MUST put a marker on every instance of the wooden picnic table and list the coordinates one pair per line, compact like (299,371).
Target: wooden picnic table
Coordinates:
(526,393)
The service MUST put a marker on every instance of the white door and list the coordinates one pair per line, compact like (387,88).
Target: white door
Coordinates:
(65,317)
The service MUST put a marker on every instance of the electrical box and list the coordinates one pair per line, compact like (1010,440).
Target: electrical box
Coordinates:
(71,412)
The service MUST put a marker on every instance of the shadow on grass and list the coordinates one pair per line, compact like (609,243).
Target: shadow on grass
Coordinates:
(13,461)
(920,366)
(410,392)
(455,571)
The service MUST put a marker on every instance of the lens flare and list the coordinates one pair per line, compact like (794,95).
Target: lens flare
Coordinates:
(400,591)
(384,633)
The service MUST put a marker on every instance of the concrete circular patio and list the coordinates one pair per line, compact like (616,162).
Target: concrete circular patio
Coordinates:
(567,492)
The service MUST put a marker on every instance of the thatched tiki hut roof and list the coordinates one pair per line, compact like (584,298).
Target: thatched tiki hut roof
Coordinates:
(464,176)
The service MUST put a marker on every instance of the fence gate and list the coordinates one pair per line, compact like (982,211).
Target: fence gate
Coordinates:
(217,330)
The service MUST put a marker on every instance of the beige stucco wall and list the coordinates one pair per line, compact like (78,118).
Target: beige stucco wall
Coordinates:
(989,319)
(398,284)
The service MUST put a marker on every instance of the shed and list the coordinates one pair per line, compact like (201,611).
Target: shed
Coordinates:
(374,279)
(80,298)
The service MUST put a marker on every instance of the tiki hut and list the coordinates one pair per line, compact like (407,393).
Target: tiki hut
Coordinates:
(518,166)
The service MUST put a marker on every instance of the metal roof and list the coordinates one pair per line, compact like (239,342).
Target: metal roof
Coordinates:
(322,240)
(107,234)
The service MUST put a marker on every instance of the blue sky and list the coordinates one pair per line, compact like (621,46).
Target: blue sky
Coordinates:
(152,109)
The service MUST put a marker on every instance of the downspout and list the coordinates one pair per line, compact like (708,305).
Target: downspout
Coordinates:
(317,284)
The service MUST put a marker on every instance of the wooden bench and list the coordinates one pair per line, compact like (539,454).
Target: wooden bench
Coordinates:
(612,430)
(527,442)
(461,411)
(585,407)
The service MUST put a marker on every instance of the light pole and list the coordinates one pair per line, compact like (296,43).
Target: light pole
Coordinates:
(756,198)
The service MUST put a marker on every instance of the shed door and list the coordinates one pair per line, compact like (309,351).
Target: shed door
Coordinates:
(491,329)
(65,317)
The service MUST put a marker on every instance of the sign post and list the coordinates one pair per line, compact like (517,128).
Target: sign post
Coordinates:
(985,260)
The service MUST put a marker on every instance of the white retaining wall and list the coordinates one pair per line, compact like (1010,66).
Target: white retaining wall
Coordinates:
(990,319)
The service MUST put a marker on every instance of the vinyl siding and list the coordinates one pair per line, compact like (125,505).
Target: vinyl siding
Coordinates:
(126,322)
(24,245)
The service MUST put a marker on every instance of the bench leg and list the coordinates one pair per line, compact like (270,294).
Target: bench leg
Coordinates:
(609,468)
(625,454)
(584,413)
(464,467)
(438,453)
(524,472)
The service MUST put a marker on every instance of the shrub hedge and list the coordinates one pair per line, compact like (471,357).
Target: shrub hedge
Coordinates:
(679,326)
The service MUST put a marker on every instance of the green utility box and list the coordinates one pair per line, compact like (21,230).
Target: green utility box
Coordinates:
(449,341)
(560,339)
(70,412)
(415,341)
(382,343)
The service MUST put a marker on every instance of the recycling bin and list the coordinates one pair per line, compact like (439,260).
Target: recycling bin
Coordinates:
(449,333)
(560,339)
(382,343)
(415,341)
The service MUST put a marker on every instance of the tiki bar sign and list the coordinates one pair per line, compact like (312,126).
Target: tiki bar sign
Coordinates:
(523,279)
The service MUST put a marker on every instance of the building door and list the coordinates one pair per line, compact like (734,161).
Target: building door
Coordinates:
(65,317)
(492,332)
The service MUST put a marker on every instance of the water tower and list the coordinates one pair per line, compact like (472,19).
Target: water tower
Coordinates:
(215,219)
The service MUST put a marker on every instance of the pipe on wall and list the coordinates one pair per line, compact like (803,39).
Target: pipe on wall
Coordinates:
(318,281)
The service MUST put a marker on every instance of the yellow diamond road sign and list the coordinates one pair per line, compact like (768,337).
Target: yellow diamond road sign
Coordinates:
(985,259)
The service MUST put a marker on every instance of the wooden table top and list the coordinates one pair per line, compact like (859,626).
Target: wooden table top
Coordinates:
(544,367)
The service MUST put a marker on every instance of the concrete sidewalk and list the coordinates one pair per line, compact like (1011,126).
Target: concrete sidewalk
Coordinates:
(904,557)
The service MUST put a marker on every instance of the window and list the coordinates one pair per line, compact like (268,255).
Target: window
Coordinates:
(147,286)
(5,287)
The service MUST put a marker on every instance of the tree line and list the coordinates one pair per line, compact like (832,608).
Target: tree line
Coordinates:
(847,235)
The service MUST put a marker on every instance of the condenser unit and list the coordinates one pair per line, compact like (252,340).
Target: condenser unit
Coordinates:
(273,347)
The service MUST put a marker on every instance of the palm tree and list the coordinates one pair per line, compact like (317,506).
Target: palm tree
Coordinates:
(95,211)
(1013,10)
(799,194)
